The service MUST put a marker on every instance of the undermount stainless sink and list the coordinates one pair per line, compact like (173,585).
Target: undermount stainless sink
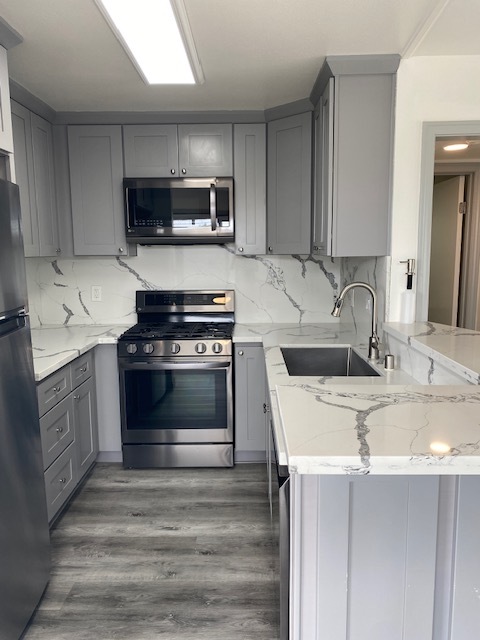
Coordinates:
(326,361)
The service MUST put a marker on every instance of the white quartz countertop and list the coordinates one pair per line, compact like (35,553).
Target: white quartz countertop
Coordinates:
(360,425)
(455,348)
(371,425)
(386,429)
(55,346)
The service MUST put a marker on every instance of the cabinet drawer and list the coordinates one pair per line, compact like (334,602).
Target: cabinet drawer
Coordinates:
(53,389)
(56,429)
(81,369)
(60,481)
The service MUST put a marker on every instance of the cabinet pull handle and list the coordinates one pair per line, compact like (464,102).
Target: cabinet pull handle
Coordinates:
(56,389)
(76,397)
(83,369)
(240,353)
(240,249)
(270,249)
(58,251)
(184,171)
(120,249)
(172,171)
(59,429)
(62,480)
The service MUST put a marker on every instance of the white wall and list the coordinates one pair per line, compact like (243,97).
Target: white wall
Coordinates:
(429,89)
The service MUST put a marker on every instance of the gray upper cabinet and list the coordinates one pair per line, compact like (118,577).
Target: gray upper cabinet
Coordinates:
(354,121)
(205,150)
(96,175)
(289,165)
(34,168)
(6,140)
(196,150)
(249,172)
(323,179)
(151,150)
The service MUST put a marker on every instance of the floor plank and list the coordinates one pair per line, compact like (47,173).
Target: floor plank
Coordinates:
(172,553)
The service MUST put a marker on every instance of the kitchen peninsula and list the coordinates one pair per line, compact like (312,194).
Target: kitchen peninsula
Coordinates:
(383,527)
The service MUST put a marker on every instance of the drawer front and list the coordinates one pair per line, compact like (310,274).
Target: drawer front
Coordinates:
(56,428)
(60,481)
(53,389)
(81,369)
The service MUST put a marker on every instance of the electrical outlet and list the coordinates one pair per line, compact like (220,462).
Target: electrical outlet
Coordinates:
(96,293)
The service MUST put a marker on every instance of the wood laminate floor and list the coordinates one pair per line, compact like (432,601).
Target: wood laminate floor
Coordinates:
(186,554)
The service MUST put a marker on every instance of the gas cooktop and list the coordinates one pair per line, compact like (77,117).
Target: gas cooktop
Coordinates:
(179,331)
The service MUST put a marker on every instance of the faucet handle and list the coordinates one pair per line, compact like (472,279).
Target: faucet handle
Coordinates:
(373,347)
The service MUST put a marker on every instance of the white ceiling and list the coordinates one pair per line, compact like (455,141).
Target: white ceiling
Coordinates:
(255,54)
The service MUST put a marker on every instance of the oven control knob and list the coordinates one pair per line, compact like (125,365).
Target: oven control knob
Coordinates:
(174,348)
(148,348)
(200,347)
(131,348)
(217,347)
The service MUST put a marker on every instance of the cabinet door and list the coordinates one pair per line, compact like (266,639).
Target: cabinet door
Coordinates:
(249,401)
(96,174)
(289,166)
(205,150)
(150,151)
(323,172)
(6,137)
(249,162)
(43,173)
(23,154)
(86,431)
(363,123)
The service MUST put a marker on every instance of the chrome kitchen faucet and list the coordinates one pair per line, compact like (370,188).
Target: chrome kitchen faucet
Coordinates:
(373,341)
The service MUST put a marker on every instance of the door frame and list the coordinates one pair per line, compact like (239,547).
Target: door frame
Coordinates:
(431,130)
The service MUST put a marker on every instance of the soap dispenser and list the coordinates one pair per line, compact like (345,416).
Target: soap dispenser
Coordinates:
(407,311)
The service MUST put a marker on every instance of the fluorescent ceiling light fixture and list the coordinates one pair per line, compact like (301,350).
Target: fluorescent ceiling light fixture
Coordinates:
(456,147)
(149,30)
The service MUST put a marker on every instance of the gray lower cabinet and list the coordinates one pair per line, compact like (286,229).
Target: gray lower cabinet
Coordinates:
(96,174)
(249,172)
(68,427)
(354,121)
(170,150)
(250,380)
(289,177)
(35,176)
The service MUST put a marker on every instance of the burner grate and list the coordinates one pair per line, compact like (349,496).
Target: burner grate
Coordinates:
(180,330)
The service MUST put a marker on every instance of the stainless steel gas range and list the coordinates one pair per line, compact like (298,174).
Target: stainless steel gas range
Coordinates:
(176,380)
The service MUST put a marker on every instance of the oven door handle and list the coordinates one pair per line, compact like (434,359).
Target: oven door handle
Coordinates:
(163,363)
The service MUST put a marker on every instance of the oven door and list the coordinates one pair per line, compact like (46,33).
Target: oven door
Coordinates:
(176,400)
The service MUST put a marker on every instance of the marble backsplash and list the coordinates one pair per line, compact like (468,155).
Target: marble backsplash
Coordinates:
(299,289)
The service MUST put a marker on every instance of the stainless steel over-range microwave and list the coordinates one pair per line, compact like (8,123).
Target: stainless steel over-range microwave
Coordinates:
(179,210)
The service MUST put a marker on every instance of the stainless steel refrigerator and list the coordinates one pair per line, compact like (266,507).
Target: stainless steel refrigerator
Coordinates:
(24,535)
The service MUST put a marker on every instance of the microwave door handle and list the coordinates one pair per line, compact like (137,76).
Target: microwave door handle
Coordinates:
(127,202)
(213,206)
